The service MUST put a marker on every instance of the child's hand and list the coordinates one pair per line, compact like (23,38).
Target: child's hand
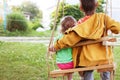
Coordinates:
(109,39)
(52,49)
(112,40)
(51,52)
(104,38)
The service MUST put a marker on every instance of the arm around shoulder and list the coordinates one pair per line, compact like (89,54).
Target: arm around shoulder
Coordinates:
(68,40)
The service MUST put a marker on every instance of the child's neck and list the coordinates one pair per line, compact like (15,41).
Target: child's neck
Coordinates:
(89,13)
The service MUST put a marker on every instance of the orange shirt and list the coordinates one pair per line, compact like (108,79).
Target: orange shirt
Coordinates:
(83,19)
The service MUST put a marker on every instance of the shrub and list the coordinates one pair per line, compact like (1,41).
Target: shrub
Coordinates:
(36,25)
(16,21)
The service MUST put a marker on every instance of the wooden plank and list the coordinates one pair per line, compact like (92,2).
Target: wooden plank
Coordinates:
(106,69)
(81,69)
(57,75)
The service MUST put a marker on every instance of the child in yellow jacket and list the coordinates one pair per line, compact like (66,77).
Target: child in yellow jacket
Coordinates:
(91,28)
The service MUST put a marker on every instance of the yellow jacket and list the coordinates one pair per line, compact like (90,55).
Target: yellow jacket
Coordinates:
(92,28)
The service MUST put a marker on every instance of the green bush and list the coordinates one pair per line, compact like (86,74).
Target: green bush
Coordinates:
(36,25)
(16,21)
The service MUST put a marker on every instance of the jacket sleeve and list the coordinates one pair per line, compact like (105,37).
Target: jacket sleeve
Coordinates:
(68,40)
(111,24)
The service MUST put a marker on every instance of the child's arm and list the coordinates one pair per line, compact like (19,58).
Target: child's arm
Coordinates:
(87,42)
(68,40)
(111,24)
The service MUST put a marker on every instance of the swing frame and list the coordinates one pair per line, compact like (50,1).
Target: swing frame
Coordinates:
(99,68)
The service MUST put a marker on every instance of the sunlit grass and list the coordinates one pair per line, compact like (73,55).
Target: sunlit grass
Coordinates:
(27,61)
(22,61)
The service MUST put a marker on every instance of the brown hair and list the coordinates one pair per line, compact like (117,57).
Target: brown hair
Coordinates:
(88,6)
(67,22)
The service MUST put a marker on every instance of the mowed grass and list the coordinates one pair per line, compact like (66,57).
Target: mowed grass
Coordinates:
(27,61)
(22,61)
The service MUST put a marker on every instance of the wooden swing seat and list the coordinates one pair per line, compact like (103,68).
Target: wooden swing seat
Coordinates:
(100,68)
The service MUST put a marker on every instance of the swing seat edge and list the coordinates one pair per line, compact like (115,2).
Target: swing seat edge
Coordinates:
(100,68)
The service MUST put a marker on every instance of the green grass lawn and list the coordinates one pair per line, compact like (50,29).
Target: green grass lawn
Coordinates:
(27,61)
(22,61)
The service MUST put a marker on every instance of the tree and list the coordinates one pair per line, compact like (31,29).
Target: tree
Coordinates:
(16,9)
(72,10)
(32,9)
(100,7)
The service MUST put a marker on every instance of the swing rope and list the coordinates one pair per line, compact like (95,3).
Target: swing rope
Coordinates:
(111,7)
(105,31)
(63,8)
(51,39)
(54,73)
(52,35)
